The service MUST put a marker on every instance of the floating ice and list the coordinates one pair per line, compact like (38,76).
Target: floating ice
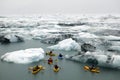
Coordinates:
(67,45)
(107,60)
(87,35)
(81,28)
(13,38)
(104,59)
(112,38)
(116,48)
(24,56)
(42,26)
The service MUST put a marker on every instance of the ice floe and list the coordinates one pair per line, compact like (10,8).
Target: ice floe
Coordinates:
(104,59)
(67,45)
(24,56)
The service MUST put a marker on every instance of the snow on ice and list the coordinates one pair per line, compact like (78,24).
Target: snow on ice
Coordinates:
(24,56)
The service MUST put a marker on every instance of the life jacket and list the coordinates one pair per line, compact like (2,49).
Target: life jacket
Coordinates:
(50,60)
(60,55)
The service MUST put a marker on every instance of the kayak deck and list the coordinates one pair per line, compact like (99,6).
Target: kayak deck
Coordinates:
(56,70)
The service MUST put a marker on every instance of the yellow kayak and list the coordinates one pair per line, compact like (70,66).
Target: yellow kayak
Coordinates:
(48,53)
(95,70)
(37,70)
(56,70)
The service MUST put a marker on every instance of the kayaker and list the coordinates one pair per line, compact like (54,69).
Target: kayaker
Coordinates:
(60,55)
(56,66)
(50,53)
(50,60)
(35,68)
(92,67)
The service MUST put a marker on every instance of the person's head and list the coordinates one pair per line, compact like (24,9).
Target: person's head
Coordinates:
(93,65)
(55,65)
(50,58)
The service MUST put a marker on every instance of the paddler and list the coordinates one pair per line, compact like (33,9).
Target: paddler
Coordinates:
(50,53)
(92,67)
(50,60)
(35,68)
(56,66)
(60,55)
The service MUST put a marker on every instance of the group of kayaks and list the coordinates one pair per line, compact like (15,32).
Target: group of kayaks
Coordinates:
(36,69)
(56,68)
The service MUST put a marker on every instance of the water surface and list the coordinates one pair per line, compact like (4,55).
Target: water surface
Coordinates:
(70,70)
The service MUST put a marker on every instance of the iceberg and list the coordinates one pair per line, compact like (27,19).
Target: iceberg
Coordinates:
(87,35)
(104,59)
(67,45)
(14,38)
(115,48)
(45,27)
(10,38)
(24,56)
(112,38)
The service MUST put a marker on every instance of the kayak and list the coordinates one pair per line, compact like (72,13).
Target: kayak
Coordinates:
(36,71)
(95,70)
(60,57)
(56,70)
(48,53)
(50,62)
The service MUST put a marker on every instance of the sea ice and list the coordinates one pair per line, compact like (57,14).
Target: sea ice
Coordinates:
(24,56)
(67,45)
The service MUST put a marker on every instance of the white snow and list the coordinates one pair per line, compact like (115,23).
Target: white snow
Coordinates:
(40,26)
(12,37)
(46,26)
(114,62)
(117,48)
(67,45)
(24,56)
(87,35)
(111,37)
(81,28)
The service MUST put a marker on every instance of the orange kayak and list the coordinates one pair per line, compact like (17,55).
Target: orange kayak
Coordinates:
(95,70)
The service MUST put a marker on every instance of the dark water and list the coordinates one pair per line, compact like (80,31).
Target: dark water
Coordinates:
(70,70)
